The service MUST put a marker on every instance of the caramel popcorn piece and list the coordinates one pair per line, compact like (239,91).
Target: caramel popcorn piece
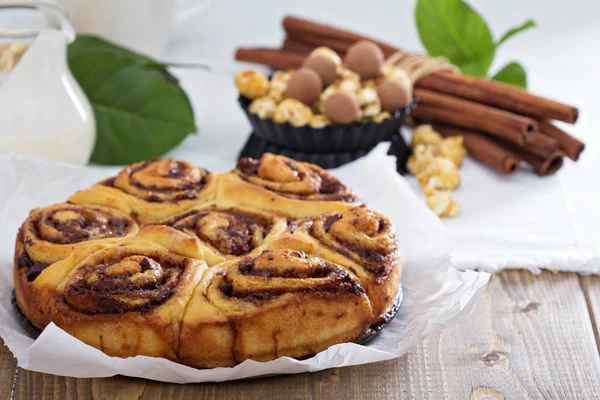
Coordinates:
(396,74)
(292,111)
(382,116)
(279,82)
(319,121)
(10,54)
(420,159)
(424,134)
(441,203)
(441,173)
(453,149)
(369,102)
(252,84)
(264,107)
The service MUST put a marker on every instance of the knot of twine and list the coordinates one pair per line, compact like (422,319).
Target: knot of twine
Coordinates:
(417,66)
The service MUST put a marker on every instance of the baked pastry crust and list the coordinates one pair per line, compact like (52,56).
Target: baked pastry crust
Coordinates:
(152,190)
(359,239)
(217,233)
(284,186)
(276,258)
(281,303)
(54,233)
(127,299)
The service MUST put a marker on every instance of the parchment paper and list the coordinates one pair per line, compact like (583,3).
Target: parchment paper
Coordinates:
(435,294)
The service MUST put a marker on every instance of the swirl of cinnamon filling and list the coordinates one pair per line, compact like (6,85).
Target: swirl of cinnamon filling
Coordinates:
(163,180)
(293,179)
(362,235)
(231,231)
(51,234)
(117,280)
(277,273)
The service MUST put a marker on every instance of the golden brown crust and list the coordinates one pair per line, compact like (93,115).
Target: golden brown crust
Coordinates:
(281,303)
(152,190)
(127,299)
(284,186)
(359,239)
(52,234)
(220,233)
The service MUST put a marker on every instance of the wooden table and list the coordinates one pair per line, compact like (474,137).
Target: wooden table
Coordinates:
(531,336)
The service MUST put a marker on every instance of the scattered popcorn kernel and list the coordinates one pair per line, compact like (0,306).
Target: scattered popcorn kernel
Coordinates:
(349,75)
(279,82)
(367,95)
(264,107)
(424,134)
(349,85)
(382,116)
(453,149)
(319,121)
(252,84)
(441,203)
(420,159)
(372,110)
(396,74)
(10,54)
(292,111)
(441,174)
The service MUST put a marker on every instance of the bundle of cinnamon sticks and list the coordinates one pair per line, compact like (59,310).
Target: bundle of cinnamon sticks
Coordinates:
(501,124)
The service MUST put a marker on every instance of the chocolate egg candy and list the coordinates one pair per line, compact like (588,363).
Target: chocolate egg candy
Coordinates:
(394,95)
(322,65)
(305,85)
(365,58)
(341,108)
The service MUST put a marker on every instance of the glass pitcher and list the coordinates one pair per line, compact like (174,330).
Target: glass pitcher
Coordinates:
(43,111)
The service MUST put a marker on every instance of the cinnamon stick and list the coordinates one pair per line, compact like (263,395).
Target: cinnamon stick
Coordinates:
(276,59)
(299,27)
(291,44)
(499,95)
(483,148)
(543,166)
(340,46)
(483,91)
(467,114)
(571,146)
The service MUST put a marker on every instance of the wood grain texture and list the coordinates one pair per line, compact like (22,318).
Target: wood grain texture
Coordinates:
(8,369)
(531,336)
(591,290)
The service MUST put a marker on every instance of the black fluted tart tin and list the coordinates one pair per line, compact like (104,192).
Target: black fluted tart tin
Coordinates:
(255,147)
(329,139)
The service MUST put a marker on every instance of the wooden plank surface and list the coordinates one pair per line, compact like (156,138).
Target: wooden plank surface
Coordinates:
(532,336)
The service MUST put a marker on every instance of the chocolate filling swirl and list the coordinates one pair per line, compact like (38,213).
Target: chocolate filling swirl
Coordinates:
(47,233)
(159,181)
(362,235)
(293,179)
(274,273)
(230,231)
(121,280)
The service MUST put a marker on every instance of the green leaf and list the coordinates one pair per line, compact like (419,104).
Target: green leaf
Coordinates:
(141,111)
(452,29)
(479,67)
(512,73)
(517,29)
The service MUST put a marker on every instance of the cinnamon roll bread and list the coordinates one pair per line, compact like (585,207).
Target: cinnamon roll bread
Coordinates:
(284,186)
(276,258)
(152,190)
(53,233)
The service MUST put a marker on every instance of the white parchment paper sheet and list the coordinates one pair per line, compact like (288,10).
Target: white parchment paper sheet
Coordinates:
(435,295)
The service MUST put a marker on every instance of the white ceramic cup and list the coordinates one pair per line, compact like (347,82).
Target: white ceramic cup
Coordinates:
(140,25)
